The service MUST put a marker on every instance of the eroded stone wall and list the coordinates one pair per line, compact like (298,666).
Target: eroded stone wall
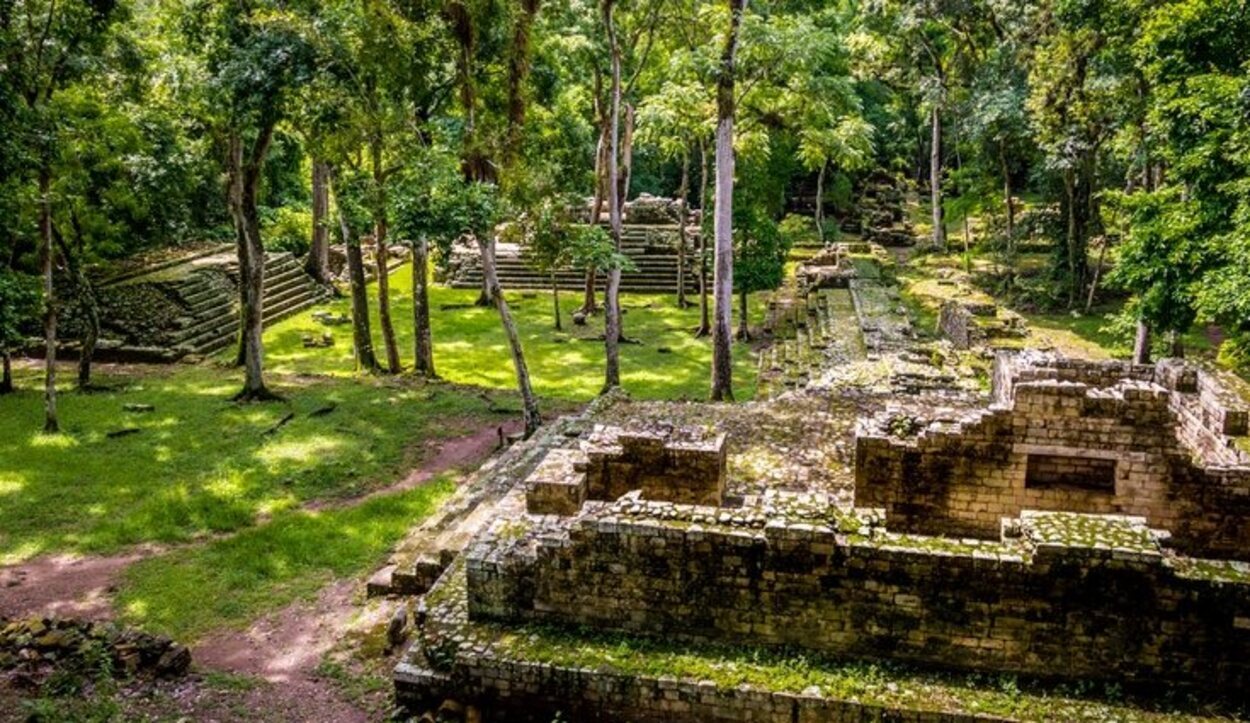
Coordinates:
(1057,430)
(1073,597)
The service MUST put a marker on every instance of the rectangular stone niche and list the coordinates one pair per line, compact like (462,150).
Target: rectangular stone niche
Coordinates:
(1052,471)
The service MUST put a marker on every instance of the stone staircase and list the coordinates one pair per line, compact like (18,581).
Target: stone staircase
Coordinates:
(193,307)
(213,319)
(651,248)
(812,333)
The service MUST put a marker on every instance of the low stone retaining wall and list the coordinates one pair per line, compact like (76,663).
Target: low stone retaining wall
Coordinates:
(1074,596)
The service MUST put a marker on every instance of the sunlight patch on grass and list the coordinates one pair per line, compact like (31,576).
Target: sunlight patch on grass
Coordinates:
(281,454)
(233,581)
(52,441)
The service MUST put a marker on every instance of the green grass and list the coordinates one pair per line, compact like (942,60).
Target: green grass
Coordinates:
(882,684)
(201,464)
(231,581)
(470,347)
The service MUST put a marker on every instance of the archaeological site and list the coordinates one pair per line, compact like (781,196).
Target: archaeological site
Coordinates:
(960,506)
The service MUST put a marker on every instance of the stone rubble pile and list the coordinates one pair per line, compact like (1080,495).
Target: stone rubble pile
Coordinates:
(37,644)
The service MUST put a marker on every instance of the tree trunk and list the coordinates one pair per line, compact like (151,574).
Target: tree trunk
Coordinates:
(84,298)
(1011,211)
(722,339)
(318,262)
(1078,198)
(555,300)
(241,255)
(90,336)
(362,334)
(705,320)
(529,404)
(1141,345)
(50,424)
(590,303)
(1176,345)
(381,258)
(6,379)
(244,185)
(820,202)
(683,214)
(612,302)
(626,157)
(935,180)
(1093,285)
(744,329)
(423,347)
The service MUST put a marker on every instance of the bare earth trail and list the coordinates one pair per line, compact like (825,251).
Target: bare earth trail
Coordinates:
(283,648)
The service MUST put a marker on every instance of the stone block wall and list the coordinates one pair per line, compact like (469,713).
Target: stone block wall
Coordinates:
(674,464)
(1068,435)
(970,324)
(1074,597)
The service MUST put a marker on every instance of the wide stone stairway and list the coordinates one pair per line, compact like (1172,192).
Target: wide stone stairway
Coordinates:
(652,249)
(193,307)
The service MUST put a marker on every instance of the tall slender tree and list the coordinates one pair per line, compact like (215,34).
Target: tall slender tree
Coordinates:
(722,333)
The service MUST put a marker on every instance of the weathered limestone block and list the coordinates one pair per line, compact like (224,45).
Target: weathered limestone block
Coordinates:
(558,485)
(675,464)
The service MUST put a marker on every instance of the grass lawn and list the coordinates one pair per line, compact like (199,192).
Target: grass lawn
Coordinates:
(200,464)
(470,347)
(234,580)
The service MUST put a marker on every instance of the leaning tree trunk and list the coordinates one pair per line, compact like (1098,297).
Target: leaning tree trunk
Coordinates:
(529,403)
(50,423)
(705,321)
(423,347)
(612,302)
(723,281)
(382,253)
(935,180)
(683,213)
(318,262)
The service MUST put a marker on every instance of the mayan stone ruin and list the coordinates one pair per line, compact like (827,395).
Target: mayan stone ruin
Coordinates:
(957,506)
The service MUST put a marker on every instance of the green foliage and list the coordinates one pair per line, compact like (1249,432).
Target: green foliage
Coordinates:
(760,251)
(287,228)
(591,247)
(19,303)
(1162,257)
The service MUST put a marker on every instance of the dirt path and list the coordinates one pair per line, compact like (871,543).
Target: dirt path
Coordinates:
(283,648)
(63,585)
